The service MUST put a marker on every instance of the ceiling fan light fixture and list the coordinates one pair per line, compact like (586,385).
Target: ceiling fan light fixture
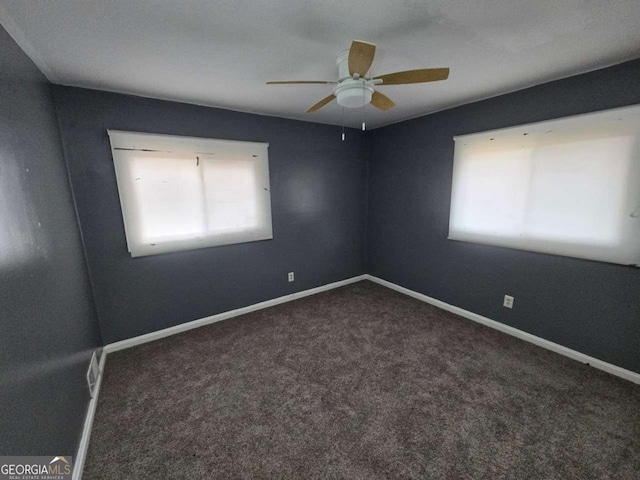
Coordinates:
(355,89)
(353,96)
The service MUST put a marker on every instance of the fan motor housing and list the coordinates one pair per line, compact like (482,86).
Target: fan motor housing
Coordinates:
(343,65)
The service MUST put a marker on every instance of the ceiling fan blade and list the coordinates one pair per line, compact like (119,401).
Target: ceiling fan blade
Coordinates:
(361,57)
(305,82)
(414,76)
(321,103)
(381,101)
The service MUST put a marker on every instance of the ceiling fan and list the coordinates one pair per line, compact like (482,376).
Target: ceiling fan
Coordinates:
(355,89)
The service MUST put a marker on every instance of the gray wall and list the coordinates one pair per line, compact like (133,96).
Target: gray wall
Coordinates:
(47,318)
(588,306)
(318,203)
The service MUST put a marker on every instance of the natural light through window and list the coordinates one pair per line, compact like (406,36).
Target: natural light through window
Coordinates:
(568,187)
(181,193)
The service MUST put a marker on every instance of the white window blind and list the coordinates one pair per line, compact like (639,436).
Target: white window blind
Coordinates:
(183,193)
(569,186)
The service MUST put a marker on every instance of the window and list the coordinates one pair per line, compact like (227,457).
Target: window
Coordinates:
(182,193)
(568,187)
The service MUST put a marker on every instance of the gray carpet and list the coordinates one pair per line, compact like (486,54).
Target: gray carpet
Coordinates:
(359,383)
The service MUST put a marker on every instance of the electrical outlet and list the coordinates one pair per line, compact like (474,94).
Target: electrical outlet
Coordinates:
(291,276)
(508,301)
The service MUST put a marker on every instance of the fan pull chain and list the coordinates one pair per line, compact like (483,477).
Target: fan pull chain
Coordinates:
(343,124)
(363,105)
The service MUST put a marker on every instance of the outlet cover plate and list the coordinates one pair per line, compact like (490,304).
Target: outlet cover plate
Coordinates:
(508,301)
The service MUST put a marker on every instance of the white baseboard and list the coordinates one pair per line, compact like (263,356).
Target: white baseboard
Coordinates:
(78,464)
(150,337)
(541,342)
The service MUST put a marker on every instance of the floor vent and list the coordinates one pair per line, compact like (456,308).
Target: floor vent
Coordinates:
(93,373)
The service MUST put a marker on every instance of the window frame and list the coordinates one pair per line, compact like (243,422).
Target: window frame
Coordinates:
(125,142)
(605,124)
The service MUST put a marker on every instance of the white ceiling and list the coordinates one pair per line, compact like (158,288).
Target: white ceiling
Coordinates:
(220,53)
